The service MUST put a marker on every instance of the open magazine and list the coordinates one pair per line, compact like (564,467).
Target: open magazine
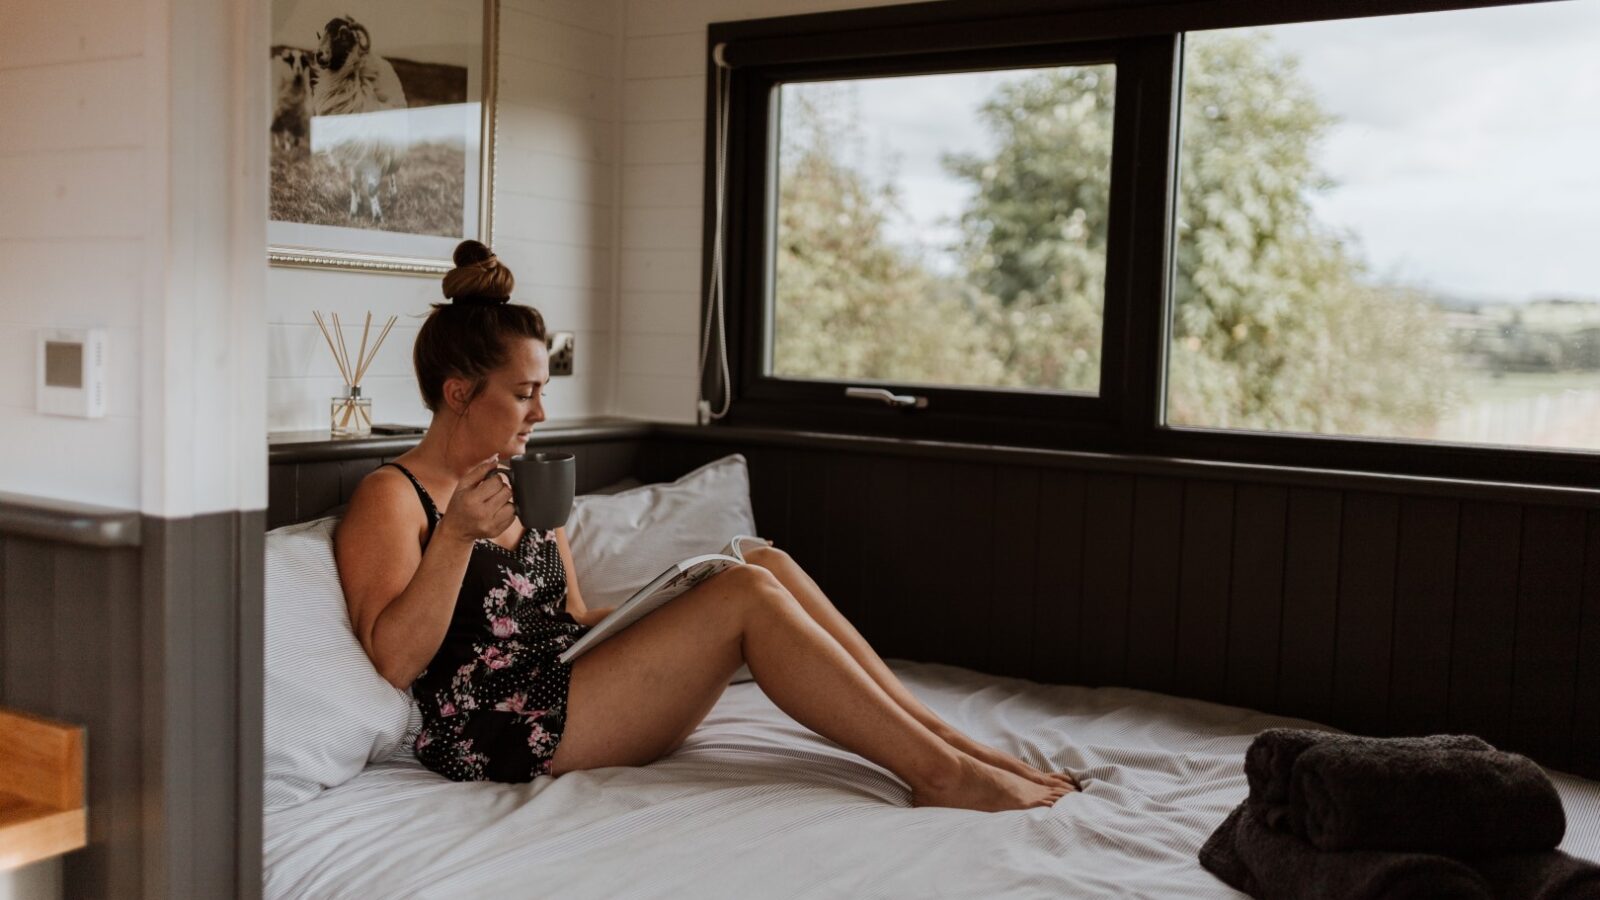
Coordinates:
(678,578)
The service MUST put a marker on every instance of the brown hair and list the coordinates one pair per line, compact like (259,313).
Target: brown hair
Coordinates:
(467,336)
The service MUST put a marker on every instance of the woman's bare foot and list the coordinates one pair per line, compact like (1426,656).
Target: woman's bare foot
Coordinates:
(1005,762)
(982,787)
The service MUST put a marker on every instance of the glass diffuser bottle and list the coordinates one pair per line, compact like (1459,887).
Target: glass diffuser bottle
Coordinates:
(350,414)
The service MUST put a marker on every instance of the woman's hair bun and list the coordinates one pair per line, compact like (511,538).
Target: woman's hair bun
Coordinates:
(478,278)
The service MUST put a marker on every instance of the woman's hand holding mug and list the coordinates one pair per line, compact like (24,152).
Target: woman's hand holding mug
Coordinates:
(481,507)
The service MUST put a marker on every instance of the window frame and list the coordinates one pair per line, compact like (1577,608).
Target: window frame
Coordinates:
(1145,41)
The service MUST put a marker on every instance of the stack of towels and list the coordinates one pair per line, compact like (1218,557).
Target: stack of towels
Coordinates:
(1340,816)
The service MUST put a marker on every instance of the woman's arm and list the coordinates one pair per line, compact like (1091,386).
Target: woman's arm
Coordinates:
(575,605)
(400,596)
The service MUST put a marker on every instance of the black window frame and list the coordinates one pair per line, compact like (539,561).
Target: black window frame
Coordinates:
(1145,40)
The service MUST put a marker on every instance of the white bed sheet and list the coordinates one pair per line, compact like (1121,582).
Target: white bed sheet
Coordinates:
(753,805)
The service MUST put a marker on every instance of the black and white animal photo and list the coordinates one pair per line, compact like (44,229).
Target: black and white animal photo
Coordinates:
(362,138)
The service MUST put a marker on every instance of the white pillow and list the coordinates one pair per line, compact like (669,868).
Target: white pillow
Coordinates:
(621,541)
(328,711)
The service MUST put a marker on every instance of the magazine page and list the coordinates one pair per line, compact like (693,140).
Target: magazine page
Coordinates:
(743,542)
(669,584)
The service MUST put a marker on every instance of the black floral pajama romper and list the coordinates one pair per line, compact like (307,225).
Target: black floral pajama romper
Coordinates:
(494,697)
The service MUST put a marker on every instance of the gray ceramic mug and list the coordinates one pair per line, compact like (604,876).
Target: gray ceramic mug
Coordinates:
(543,484)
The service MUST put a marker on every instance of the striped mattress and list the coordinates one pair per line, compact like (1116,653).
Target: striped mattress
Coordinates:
(753,805)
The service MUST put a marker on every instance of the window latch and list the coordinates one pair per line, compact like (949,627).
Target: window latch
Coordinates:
(904,401)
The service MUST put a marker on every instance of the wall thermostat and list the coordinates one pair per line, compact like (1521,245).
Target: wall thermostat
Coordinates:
(71,372)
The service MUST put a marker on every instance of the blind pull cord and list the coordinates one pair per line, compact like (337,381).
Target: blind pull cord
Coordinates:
(714,290)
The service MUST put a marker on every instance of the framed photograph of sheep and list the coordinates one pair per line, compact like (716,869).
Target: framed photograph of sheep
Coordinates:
(382,132)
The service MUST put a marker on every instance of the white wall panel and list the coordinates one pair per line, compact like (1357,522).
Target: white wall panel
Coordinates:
(73,194)
(673,271)
(71,283)
(659,313)
(64,106)
(538,173)
(667,184)
(589,14)
(70,31)
(664,99)
(664,55)
(75,151)
(663,142)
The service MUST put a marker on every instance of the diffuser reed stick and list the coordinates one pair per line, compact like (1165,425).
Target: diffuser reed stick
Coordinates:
(352,405)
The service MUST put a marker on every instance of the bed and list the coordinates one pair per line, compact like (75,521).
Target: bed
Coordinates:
(753,805)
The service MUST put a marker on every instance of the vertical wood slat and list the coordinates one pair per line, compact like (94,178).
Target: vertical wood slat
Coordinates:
(1424,610)
(30,626)
(1366,611)
(80,601)
(849,547)
(1545,652)
(1207,569)
(319,489)
(1255,598)
(969,568)
(1490,549)
(883,520)
(808,516)
(281,494)
(1008,639)
(1153,588)
(1586,700)
(943,501)
(120,746)
(769,492)
(1058,592)
(1310,602)
(1107,536)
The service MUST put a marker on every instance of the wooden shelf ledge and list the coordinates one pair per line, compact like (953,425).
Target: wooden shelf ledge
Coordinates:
(41,789)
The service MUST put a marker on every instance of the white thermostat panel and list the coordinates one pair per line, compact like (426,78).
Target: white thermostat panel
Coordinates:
(72,372)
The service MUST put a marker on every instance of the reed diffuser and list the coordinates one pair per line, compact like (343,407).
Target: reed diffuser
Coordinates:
(350,414)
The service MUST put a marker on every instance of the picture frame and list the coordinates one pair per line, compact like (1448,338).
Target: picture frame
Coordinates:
(382,132)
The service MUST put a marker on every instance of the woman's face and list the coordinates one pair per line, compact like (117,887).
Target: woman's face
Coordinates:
(512,401)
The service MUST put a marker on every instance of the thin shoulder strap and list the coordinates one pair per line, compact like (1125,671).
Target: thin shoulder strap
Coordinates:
(422,493)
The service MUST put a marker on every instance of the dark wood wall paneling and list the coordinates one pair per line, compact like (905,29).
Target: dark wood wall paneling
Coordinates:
(145,642)
(70,626)
(1371,608)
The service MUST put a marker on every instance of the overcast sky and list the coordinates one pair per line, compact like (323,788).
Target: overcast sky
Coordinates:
(1465,154)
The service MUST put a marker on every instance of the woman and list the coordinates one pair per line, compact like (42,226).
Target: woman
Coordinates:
(461,604)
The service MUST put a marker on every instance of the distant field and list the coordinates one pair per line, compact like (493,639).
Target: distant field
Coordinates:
(431,183)
(1522,385)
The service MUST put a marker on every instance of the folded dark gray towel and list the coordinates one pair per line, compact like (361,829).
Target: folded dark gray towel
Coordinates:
(1220,855)
(1545,875)
(1382,796)
(1269,762)
(1268,864)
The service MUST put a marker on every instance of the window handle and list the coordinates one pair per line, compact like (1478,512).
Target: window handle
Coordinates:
(904,401)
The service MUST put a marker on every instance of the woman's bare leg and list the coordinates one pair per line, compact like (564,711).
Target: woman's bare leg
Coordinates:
(636,696)
(805,589)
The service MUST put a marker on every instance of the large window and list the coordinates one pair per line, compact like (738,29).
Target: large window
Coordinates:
(944,229)
(1207,229)
(1388,227)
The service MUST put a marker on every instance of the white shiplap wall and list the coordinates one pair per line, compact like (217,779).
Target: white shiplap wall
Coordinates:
(555,210)
(663,161)
(131,146)
(74,79)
